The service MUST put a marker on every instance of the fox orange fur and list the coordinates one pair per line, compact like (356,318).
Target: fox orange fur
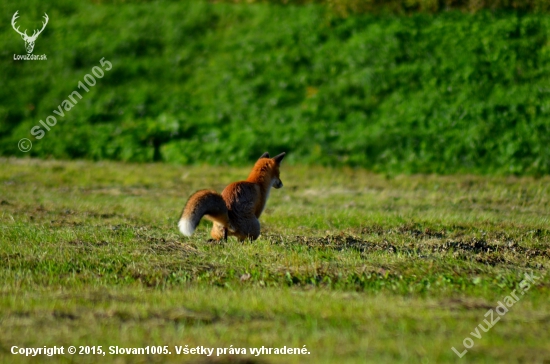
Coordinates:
(234,212)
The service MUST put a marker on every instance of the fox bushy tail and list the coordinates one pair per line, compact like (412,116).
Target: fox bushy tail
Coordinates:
(201,203)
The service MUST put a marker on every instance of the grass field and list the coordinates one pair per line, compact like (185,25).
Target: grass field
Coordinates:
(358,267)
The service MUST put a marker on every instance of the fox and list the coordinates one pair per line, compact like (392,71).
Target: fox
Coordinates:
(236,211)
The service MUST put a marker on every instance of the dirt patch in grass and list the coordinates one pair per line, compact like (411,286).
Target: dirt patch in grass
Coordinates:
(343,242)
(174,315)
(459,303)
(163,246)
(100,297)
(6,257)
(153,241)
(457,232)
(481,246)
(87,245)
(485,252)
(411,229)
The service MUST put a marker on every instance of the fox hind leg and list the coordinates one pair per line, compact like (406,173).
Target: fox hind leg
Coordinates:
(218,232)
(249,230)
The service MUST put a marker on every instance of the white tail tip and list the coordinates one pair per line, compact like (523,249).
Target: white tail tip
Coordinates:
(186,227)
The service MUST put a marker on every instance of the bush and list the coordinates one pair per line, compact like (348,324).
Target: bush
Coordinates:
(348,7)
(220,83)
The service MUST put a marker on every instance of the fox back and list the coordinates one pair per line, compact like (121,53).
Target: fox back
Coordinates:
(237,210)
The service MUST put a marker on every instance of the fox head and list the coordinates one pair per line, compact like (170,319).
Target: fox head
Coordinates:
(268,169)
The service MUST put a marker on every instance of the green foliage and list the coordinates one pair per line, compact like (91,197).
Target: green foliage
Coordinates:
(194,82)
(347,7)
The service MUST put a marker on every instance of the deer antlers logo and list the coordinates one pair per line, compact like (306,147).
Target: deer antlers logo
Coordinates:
(29,41)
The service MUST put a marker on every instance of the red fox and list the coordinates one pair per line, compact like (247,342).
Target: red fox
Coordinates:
(237,210)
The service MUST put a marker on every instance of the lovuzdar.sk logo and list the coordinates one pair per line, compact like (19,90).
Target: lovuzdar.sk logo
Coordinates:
(29,40)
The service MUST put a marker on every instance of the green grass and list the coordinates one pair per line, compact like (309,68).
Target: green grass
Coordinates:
(359,267)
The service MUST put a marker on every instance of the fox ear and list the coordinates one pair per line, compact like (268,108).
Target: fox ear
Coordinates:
(265,155)
(279,158)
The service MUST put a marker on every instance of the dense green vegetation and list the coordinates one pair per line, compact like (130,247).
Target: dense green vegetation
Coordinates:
(196,82)
(358,267)
(350,7)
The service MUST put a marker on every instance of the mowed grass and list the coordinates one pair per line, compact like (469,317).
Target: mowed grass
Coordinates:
(358,267)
